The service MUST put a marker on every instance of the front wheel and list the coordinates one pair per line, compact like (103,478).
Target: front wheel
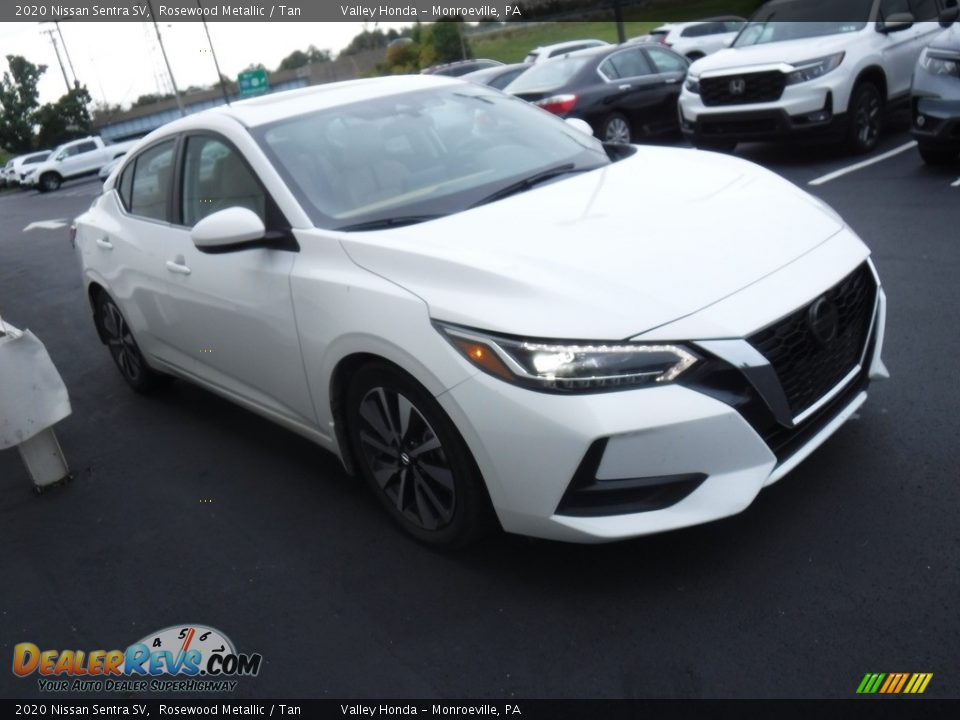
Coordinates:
(413,458)
(50,182)
(866,118)
(615,129)
(933,155)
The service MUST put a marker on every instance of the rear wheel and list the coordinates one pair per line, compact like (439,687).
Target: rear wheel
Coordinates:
(865,118)
(933,155)
(413,458)
(615,129)
(123,348)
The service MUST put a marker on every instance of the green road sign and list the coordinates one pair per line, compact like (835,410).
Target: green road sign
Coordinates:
(253,82)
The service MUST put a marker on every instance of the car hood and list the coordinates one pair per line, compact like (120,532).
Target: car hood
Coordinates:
(607,254)
(785,51)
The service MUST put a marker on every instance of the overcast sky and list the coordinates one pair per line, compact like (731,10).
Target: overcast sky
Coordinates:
(120,61)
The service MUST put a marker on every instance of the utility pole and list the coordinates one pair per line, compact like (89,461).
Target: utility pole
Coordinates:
(176,92)
(56,48)
(66,52)
(223,87)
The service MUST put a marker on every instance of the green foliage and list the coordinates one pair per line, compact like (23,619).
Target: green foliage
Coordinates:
(449,43)
(66,119)
(150,99)
(18,103)
(299,58)
(367,40)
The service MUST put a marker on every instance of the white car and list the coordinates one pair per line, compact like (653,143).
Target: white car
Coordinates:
(18,168)
(546,52)
(694,40)
(478,307)
(792,73)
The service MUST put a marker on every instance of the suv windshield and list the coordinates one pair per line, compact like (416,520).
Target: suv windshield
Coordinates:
(799,19)
(418,154)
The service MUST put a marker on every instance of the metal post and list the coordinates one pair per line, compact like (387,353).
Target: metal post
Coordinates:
(66,52)
(213,52)
(176,92)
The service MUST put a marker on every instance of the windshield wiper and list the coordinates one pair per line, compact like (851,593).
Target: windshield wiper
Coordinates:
(390,222)
(529,182)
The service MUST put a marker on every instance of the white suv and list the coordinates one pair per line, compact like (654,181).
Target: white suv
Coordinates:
(697,39)
(794,71)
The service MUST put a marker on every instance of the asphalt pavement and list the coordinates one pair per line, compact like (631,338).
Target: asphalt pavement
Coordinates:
(186,509)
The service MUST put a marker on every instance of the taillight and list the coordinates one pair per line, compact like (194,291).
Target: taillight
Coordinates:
(558,104)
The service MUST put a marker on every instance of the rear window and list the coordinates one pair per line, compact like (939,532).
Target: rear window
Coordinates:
(549,75)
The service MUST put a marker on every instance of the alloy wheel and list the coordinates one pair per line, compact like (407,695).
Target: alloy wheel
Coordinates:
(617,131)
(868,119)
(405,457)
(121,343)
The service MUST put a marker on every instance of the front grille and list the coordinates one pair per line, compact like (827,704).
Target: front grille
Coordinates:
(809,367)
(756,87)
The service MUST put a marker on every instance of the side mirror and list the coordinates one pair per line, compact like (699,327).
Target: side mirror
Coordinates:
(896,22)
(581,125)
(230,229)
(948,16)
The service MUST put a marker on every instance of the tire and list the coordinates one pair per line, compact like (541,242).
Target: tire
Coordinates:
(721,146)
(865,113)
(615,128)
(414,460)
(49,182)
(116,335)
(933,155)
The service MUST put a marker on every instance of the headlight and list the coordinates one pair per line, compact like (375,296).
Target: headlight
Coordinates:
(570,366)
(939,65)
(692,84)
(812,69)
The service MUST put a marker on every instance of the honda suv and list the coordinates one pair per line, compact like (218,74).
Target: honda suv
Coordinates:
(808,68)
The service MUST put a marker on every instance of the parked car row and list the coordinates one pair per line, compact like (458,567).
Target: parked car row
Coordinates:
(17,168)
(75,159)
(788,73)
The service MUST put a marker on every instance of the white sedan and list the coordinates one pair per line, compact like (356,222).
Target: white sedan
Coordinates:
(483,311)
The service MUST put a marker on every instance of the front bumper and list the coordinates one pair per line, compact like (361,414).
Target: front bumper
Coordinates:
(936,121)
(602,467)
(813,110)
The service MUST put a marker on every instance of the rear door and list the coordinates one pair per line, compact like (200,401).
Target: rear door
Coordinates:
(671,69)
(81,160)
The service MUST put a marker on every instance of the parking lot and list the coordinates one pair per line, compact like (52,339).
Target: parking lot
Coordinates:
(186,509)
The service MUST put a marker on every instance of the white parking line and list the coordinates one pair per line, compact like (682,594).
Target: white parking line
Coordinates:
(955,183)
(865,163)
(46,225)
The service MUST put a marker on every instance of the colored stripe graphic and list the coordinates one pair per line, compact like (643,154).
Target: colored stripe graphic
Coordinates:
(894,683)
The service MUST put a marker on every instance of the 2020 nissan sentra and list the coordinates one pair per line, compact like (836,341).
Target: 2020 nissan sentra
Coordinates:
(485,312)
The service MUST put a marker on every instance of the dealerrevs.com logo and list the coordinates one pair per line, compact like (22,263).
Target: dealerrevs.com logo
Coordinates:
(180,658)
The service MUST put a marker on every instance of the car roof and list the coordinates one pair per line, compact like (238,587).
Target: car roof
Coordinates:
(689,23)
(276,106)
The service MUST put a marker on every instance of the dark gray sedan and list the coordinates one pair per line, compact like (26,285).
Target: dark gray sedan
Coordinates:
(936,95)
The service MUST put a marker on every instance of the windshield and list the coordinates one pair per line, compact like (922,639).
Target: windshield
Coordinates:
(799,19)
(423,153)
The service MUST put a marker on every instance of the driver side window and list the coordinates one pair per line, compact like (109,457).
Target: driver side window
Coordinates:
(215,177)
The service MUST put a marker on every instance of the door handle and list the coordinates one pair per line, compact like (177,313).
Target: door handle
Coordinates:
(104,243)
(625,86)
(178,267)
(672,81)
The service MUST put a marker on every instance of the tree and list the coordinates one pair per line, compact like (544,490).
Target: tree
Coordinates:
(66,119)
(103,113)
(367,40)
(449,40)
(18,103)
(299,58)
(150,99)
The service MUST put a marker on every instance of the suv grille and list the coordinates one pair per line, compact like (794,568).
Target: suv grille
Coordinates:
(808,367)
(756,87)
